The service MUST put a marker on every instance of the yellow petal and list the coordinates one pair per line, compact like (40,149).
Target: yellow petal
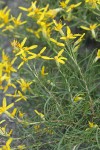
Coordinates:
(22,8)
(23,42)
(60,53)
(33,46)
(42,50)
(4,102)
(9,106)
(85,28)
(46,58)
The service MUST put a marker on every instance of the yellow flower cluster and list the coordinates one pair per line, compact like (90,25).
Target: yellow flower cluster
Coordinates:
(93,3)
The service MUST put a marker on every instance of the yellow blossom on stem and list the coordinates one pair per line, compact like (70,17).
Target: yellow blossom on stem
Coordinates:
(58,27)
(91,28)
(24,84)
(77,43)
(4,108)
(45,28)
(40,114)
(24,59)
(9,84)
(93,3)
(7,146)
(21,97)
(8,28)
(72,6)
(13,95)
(33,10)
(59,58)
(98,56)
(21,114)
(13,113)
(53,12)
(17,95)
(17,21)
(39,55)
(35,32)
(43,71)
(24,49)
(78,97)
(30,8)
(42,15)
(64,4)
(69,35)
(3,131)
(3,77)
(5,57)
(92,125)
(9,66)
(4,17)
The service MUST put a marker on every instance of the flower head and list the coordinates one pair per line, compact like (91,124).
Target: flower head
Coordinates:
(59,58)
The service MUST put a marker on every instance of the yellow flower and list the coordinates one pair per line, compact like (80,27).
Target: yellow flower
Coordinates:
(28,9)
(42,15)
(71,7)
(59,58)
(43,71)
(8,28)
(4,17)
(17,21)
(21,97)
(7,146)
(39,55)
(40,114)
(3,131)
(93,3)
(4,108)
(22,48)
(53,12)
(33,11)
(21,114)
(69,35)
(25,59)
(3,77)
(8,66)
(98,56)
(45,28)
(78,97)
(77,43)
(91,28)
(9,84)
(17,95)
(24,85)
(5,57)
(14,112)
(35,32)
(63,4)
(58,27)
(92,125)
